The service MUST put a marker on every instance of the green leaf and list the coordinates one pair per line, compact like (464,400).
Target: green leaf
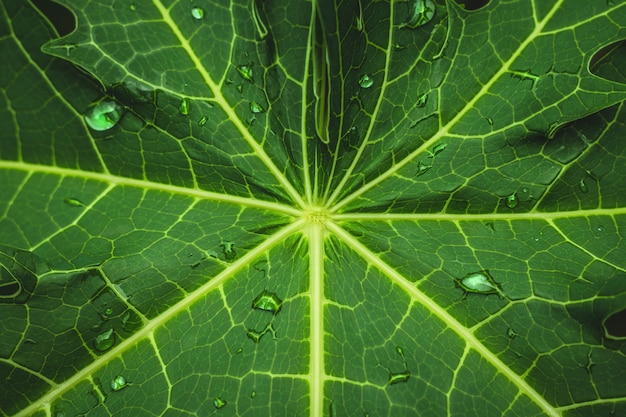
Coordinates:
(313,208)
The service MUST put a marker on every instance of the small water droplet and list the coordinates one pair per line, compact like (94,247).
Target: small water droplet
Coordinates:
(511,333)
(104,341)
(239,351)
(439,148)
(512,201)
(256,336)
(133,7)
(184,107)
(600,228)
(524,190)
(480,282)
(219,403)
(103,115)
(490,121)
(74,202)
(256,107)
(246,72)
(202,121)
(583,186)
(118,383)
(366,81)
(420,13)
(253,394)
(400,351)
(197,12)
(267,301)
(422,100)
(228,250)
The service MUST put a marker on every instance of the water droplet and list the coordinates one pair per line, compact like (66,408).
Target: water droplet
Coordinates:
(228,250)
(184,107)
(246,72)
(218,402)
(74,202)
(267,301)
(400,351)
(524,190)
(103,115)
(202,121)
(238,351)
(125,318)
(256,107)
(512,201)
(480,282)
(396,378)
(421,100)
(253,394)
(118,383)
(600,228)
(105,340)
(420,13)
(511,333)
(197,12)
(256,336)
(439,148)
(583,186)
(133,7)
(366,81)
(490,121)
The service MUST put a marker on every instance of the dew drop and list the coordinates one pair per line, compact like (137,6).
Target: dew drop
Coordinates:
(246,72)
(219,403)
(103,115)
(600,228)
(197,13)
(480,282)
(421,100)
(202,121)
(228,250)
(420,13)
(239,351)
(133,7)
(118,383)
(253,394)
(366,81)
(439,148)
(104,341)
(184,107)
(267,301)
(74,202)
(256,107)
(490,121)
(512,201)
(511,333)
(583,186)
(396,378)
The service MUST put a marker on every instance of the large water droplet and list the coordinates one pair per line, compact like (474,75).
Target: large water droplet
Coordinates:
(366,81)
(104,341)
(256,107)
(103,115)
(197,13)
(267,301)
(420,13)
(118,383)
(219,403)
(480,282)
(246,72)
(512,201)
(184,107)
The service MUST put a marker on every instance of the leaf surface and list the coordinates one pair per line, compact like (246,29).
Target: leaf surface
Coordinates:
(313,208)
